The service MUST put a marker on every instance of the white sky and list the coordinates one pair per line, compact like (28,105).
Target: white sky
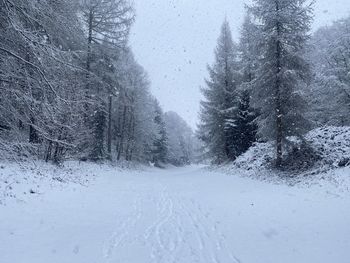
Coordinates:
(174,40)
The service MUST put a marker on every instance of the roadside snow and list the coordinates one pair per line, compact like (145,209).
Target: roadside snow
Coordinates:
(332,144)
(176,216)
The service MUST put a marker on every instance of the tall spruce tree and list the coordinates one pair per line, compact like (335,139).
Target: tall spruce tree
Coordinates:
(160,150)
(330,56)
(245,131)
(283,71)
(249,52)
(219,108)
(246,128)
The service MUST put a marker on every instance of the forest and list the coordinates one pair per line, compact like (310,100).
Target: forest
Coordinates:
(72,89)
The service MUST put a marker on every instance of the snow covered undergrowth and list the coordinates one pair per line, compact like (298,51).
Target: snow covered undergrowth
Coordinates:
(181,215)
(332,144)
(23,180)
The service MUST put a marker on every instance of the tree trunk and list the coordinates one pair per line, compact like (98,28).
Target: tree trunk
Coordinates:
(130,137)
(88,56)
(121,142)
(33,133)
(279,113)
(88,65)
(131,150)
(109,139)
(48,153)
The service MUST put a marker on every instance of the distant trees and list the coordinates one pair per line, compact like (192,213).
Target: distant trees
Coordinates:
(160,151)
(182,144)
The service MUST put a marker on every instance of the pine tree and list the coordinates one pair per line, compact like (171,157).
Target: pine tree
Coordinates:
(249,52)
(244,131)
(283,71)
(218,110)
(246,128)
(330,56)
(160,144)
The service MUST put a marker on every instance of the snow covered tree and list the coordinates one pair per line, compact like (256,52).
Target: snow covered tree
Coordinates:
(160,151)
(283,72)
(107,23)
(62,63)
(135,129)
(249,52)
(37,47)
(330,92)
(245,131)
(218,110)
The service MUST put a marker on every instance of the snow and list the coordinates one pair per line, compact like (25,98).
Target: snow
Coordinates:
(180,215)
(332,144)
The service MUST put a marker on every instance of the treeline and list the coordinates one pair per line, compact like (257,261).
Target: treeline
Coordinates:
(277,83)
(71,87)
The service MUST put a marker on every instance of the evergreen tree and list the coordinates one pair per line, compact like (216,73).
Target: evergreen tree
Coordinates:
(330,56)
(249,52)
(160,144)
(246,128)
(283,71)
(219,108)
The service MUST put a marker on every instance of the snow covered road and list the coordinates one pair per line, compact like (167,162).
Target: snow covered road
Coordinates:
(181,215)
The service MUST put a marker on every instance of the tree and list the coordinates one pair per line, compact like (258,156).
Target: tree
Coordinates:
(181,140)
(218,110)
(160,151)
(245,132)
(283,71)
(330,92)
(53,105)
(108,23)
(249,52)
(39,83)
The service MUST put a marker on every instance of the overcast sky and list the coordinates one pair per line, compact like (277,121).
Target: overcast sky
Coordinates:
(174,40)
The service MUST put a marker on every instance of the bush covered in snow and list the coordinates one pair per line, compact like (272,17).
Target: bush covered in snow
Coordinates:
(333,144)
(325,148)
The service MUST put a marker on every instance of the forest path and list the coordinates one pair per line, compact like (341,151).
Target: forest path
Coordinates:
(183,215)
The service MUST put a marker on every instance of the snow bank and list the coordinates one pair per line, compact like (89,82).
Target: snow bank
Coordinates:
(21,180)
(332,144)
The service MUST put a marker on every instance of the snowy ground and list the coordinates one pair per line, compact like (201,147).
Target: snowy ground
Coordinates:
(182,215)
